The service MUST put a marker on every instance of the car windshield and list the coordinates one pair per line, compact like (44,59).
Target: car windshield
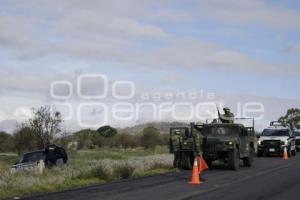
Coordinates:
(33,157)
(220,131)
(274,132)
(297,133)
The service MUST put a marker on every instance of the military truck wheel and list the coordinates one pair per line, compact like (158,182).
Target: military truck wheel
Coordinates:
(234,159)
(248,161)
(289,152)
(209,163)
(259,153)
(294,152)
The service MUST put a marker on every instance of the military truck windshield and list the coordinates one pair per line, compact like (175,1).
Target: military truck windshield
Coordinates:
(297,133)
(33,157)
(220,131)
(275,132)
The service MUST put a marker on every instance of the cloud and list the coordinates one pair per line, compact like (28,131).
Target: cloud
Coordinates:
(87,22)
(255,12)
(170,79)
(98,29)
(112,32)
(192,53)
(293,49)
(3,116)
(30,81)
(22,113)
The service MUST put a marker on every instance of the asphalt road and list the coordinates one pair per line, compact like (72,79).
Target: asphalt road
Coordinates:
(270,178)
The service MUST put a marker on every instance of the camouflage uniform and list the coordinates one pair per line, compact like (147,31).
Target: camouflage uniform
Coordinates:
(176,142)
(198,140)
(227,117)
(198,145)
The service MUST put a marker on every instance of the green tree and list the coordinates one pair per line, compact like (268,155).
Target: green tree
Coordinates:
(150,137)
(292,116)
(84,138)
(6,142)
(24,140)
(107,131)
(164,139)
(64,139)
(125,140)
(45,124)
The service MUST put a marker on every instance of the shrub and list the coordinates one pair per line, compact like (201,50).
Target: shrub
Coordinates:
(6,142)
(84,138)
(160,165)
(164,139)
(123,171)
(94,170)
(24,140)
(101,172)
(150,137)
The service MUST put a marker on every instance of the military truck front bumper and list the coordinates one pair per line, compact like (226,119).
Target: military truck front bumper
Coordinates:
(218,151)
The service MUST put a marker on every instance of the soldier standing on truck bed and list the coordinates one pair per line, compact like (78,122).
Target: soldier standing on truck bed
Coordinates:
(227,117)
(176,141)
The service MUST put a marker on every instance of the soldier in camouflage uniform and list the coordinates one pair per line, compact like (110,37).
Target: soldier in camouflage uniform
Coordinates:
(227,117)
(198,145)
(176,141)
(198,140)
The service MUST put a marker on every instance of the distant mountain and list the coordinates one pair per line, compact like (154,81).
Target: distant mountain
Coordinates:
(8,126)
(163,127)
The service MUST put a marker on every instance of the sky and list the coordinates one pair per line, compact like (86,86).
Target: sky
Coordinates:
(247,50)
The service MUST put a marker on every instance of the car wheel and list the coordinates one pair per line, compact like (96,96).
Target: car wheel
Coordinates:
(59,162)
(234,159)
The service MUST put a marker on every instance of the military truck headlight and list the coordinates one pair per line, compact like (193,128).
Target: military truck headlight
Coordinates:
(229,142)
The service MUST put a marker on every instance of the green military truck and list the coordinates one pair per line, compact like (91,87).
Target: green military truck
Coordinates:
(227,142)
(230,143)
(184,144)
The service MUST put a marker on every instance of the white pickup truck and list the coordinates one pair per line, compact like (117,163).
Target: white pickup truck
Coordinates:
(274,139)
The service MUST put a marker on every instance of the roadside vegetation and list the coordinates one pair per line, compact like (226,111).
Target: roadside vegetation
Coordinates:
(95,156)
(86,167)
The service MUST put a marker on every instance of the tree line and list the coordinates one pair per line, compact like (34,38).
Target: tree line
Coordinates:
(109,137)
(46,125)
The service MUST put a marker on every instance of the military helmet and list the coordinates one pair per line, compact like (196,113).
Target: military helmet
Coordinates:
(226,109)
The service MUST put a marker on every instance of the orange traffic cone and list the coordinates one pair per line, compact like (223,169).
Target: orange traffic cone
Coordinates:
(202,166)
(195,174)
(285,154)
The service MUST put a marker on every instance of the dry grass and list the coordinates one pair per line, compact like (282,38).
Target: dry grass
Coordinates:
(82,172)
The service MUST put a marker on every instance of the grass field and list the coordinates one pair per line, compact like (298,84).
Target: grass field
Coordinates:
(84,168)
